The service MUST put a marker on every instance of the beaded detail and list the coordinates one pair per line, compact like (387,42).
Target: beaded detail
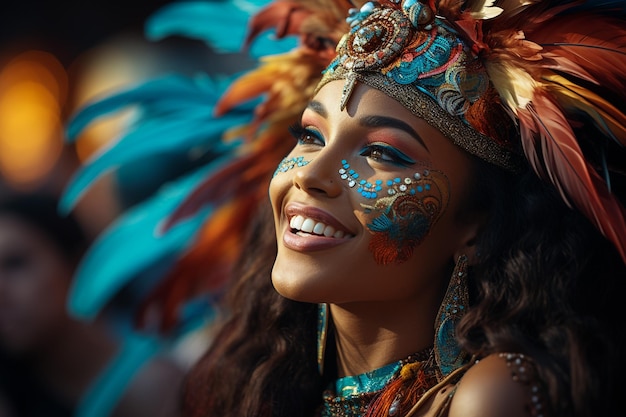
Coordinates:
(411,55)
(290,163)
(405,208)
(523,370)
(351,396)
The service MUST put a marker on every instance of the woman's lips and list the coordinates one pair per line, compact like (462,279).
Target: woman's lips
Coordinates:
(312,226)
(312,229)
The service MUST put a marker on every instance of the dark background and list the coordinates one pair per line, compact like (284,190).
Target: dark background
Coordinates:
(68,28)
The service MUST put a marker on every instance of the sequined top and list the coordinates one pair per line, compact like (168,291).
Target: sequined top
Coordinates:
(350,396)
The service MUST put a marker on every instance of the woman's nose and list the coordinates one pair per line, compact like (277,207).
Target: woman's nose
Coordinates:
(320,176)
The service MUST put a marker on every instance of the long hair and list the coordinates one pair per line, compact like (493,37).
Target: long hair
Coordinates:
(263,360)
(547,285)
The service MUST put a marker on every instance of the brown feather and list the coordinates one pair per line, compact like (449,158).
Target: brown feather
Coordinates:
(595,43)
(554,153)
(577,99)
(285,16)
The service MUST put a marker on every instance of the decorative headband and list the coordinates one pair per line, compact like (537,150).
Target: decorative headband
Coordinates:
(415,57)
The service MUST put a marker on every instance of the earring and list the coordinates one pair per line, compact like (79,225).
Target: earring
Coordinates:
(448,353)
(322,332)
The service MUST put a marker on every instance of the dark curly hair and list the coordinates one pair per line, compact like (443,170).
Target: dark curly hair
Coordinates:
(547,284)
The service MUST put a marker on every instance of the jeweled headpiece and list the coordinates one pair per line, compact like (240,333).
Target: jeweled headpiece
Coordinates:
(544,78)
(533,76)
(415,57)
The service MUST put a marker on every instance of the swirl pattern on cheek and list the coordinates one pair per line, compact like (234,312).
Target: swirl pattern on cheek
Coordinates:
(290,163)
(405,213)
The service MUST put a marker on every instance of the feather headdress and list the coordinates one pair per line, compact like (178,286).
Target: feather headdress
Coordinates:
(554,68)
(193,229)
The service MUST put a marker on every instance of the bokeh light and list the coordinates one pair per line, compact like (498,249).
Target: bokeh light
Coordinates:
(102,71)
(33,90)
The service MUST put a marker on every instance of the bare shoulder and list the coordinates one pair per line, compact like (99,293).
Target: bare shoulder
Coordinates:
(500,385)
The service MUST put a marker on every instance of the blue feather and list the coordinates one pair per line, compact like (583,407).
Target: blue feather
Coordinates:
(220,24)
(132,245)
(154,137)
(167,92)
(177,116)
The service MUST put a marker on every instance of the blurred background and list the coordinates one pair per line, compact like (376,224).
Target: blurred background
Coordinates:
(54,58)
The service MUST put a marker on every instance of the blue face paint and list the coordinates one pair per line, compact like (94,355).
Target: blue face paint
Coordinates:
(290,163)
(407,210)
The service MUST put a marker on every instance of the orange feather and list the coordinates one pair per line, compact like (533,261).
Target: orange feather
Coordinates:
(592,42)
(574,98)
(554,153)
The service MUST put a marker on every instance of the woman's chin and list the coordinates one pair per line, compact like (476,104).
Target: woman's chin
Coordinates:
(296,289)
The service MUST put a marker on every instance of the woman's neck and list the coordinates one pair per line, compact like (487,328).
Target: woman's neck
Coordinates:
(371,335)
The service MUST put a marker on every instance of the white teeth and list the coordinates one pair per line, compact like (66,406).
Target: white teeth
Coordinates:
(315,227)
(319,228)
(296,222)
(308,225)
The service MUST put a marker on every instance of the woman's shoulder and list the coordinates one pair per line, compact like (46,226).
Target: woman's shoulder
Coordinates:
(500,385)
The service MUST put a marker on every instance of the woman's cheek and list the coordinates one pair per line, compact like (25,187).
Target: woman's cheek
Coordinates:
(402,210)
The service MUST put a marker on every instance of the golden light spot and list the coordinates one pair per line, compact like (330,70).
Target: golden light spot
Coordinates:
(101,72)
(32,87)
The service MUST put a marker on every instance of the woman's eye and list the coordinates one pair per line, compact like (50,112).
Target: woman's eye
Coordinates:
(384,153)
(306,136)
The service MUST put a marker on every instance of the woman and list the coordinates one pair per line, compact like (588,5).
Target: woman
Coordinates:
(446,238)
(419,256)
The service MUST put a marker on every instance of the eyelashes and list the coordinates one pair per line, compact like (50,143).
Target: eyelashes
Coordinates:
(379,152)
(306,136)
(385,153)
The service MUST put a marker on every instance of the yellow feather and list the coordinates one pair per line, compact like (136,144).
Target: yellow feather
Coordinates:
(514,85)
(608,118)
(485,10)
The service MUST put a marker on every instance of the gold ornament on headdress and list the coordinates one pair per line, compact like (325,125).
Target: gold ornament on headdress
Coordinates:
(419,60)
(523,77)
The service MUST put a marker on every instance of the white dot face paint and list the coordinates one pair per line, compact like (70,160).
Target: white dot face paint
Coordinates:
(289,164)
(405,212)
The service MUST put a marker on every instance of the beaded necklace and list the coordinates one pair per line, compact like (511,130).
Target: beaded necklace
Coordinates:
(351,396)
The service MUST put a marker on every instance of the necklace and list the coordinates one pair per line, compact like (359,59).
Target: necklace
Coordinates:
(351,396)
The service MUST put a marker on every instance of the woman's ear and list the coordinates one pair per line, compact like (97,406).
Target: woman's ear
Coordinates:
(468,243)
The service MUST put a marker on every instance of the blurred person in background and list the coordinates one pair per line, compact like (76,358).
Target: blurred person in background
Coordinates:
(51,363)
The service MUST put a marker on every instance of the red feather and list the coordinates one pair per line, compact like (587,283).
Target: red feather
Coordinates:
(591,42)
(285,16)
(554,153)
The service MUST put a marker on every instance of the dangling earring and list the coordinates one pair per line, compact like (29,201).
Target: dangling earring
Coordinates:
(322,333)
(448,353)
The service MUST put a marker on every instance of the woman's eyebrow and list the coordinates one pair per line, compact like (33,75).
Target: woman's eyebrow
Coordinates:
(318,108)
(382,121)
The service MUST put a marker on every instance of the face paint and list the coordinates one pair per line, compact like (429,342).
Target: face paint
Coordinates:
(290,163)
(406,212)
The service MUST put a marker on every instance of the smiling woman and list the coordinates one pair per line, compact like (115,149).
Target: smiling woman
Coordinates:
(455,190)
(369,178)
(418,248)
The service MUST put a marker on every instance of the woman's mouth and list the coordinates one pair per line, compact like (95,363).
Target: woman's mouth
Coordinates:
(313,229)
(303,226)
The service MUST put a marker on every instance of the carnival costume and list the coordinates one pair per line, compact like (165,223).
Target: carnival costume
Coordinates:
(511,82)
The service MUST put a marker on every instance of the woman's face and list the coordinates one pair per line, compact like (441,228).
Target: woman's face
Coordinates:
(34,278)
(366,205)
